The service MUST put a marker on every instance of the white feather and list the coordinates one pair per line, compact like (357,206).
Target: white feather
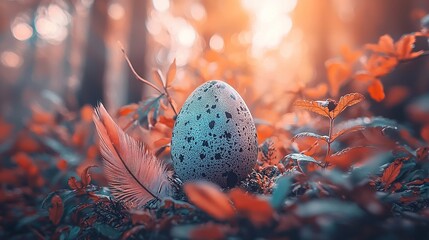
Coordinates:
(135,176)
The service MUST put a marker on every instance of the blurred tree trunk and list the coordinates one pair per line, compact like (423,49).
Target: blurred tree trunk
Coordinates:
(91,89)
(137,49)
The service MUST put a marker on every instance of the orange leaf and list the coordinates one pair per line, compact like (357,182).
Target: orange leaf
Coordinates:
(346,101)
(157,75)
(86,113)
(171,74)
(210,199)
(56,210)
(264,132)
(62,164)
(85,177)
(316,92)
(5,130)
(338,73)
(74,184)
(350,56)
(169,122)
(404,47)
(376,90)
(380,65)
(161,142)
(385,45)
(127,109)
(319,107)
(259,211)
(207,231)
(363,76)
(396,95)
(391,173)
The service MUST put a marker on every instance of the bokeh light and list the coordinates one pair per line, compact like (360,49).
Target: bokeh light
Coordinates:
(10,59)
(51,23)
(116,11)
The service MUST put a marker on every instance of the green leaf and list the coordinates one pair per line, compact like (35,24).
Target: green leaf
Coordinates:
(281,190)
(151,105)
(330,207)
(311,135)
(362,123)
(300,159)
(107,231)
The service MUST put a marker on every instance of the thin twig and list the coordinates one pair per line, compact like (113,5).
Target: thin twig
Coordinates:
(328,150)
(135,73)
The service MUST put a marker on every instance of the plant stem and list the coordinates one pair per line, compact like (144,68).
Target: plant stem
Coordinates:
(136,74)
(328,149)
(167,94)
(170,102)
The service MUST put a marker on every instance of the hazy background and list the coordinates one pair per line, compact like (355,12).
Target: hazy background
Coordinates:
(66,52)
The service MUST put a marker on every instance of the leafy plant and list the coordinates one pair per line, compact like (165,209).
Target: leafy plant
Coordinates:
(330,109)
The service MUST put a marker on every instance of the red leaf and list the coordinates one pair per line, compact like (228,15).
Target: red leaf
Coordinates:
(385,45)
(259,211)
(422,154)
(376,90)
(169,122)
(56,210)
(404,48)
(127,109)
(391,173)
(207,231)
(379,66)
(424,132)
(74,184)
(62,164)
(316,92)
(396,95)
(338,73)
(210,199)
(85,177)
(86,113)
(161,142)
(171,74)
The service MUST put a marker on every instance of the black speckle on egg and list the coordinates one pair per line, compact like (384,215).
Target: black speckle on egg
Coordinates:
(211,124)
(228,115)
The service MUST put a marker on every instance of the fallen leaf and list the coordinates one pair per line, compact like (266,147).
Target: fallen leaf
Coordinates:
(208,197)
(391,173)
(56,210)
(259,211)
(207,231)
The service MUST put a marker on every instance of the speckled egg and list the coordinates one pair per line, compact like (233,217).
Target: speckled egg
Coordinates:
(214,137)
